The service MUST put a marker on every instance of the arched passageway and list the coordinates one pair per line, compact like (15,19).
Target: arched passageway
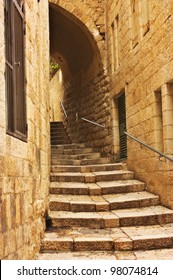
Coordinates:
(79,51)
(72,45)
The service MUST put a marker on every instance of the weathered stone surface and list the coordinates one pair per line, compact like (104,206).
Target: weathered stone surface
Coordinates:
(23,163)
(58,244)
(142,67)
(93,244)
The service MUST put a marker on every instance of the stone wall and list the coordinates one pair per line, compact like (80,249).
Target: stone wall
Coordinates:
(141,53)
(24,167)
(56,97)
(89,101)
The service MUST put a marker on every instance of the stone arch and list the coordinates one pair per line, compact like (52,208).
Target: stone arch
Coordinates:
(73,17)
(79,10)
(77,44)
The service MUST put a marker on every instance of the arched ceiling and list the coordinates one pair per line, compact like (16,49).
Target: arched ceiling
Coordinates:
(71,43)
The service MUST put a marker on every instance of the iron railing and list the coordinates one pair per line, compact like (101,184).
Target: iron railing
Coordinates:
(149,147)
(97,124)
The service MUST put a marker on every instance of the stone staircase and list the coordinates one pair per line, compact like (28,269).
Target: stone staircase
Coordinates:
(96,205)
(58,134)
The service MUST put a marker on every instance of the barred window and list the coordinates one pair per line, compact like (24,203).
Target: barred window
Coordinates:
(15,76)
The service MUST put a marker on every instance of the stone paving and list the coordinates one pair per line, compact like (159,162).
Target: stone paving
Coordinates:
(162,254)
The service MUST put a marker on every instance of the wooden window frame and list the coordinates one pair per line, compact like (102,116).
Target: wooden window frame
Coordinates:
(15,69)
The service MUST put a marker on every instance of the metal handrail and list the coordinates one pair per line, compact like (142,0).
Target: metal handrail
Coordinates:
(63,108)
(149,147)
(97,124)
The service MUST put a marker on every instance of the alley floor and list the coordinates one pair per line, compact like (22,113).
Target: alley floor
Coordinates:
(159,254)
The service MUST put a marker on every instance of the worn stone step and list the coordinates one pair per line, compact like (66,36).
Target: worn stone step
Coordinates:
(119,239)
(70,146)
(75,188)
(59,135)
(121,186)
(55,161)
(76,156)
(77,239)
(132,200)
(99,188)
(113,175)
(155,254)
(57,130)
(56,124)
(95,161)
(92,177)
(78,203)
(67,177)
(88,168)
(146,238)
(86,255)
(60,142)
(77,151)
(53,139)
(81,203)
(80,219)
(151,215)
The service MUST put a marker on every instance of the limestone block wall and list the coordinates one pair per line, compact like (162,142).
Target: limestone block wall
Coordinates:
(89,101)
(24,167)
(140,62)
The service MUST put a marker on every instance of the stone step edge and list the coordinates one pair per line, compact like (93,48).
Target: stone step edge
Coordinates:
(107,221)
(87,168)
(106,244)
(104,205)
(95,189)
(91,177)
(79,162)
(68,146)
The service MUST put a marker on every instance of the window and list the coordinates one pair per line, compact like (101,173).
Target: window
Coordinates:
(15,77)
(139,20)
(135,21)
(158,120)
(167,101)
(115,43)
(144,16)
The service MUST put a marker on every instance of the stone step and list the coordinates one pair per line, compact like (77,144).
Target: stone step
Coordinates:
(77,151)
(99,188)
(118,239)
(151,215)
(88,168)
(66,146)
(57,130)
(81,203)
(58,133)
(76,156)
(56,124)
(55,161)
(59,142)
(92,177)
(155,254)
(59,136)
(60,139)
